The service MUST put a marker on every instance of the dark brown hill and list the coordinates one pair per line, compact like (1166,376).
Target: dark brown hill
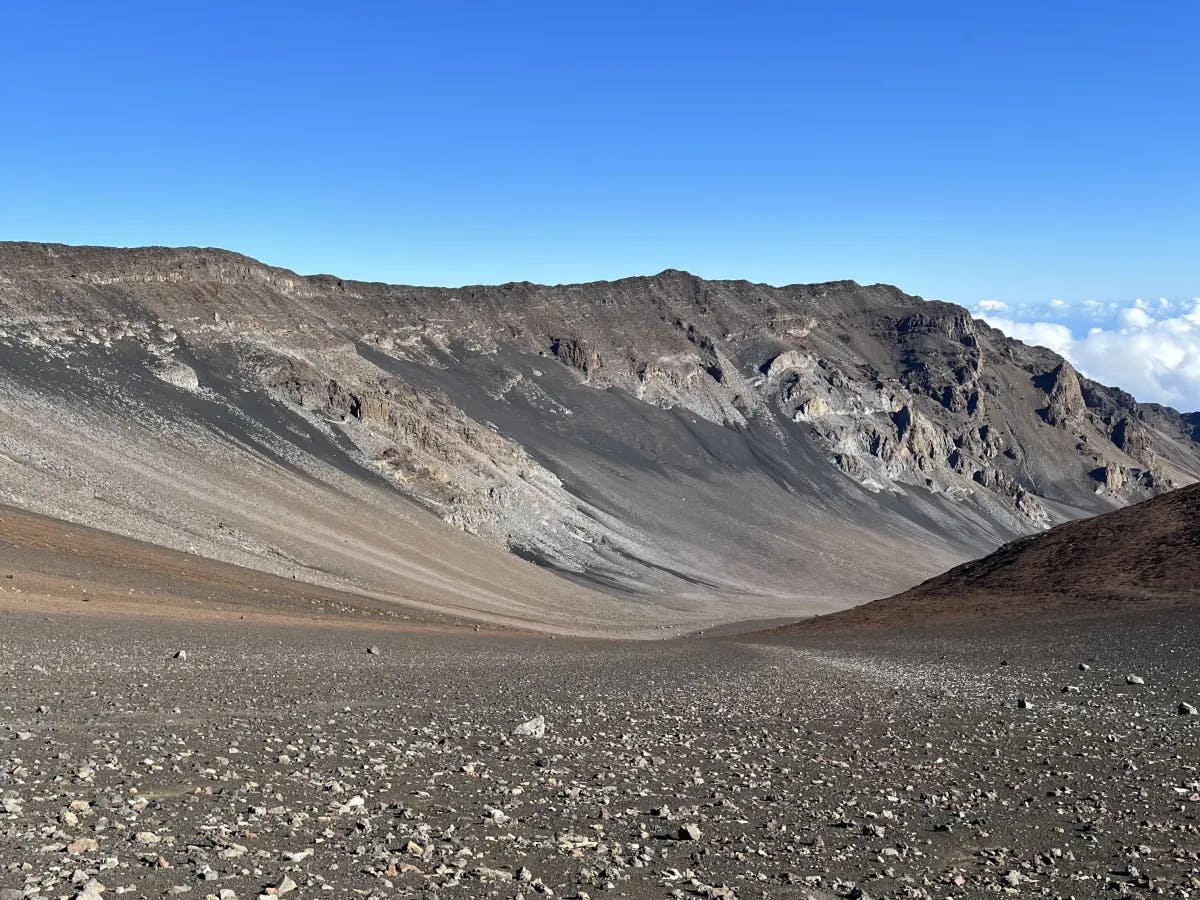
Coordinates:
(1147,555)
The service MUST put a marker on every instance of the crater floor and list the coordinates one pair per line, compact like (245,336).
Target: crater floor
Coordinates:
(200,751)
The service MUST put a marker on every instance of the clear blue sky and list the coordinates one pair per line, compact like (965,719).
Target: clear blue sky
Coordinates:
(1018,151)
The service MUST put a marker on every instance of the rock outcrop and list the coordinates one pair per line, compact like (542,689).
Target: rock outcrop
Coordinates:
(1064,397)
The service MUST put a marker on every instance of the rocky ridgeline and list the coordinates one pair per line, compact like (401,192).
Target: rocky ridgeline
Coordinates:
(495,407)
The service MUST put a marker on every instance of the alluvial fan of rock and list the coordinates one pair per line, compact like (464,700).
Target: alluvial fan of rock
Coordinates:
(706,451)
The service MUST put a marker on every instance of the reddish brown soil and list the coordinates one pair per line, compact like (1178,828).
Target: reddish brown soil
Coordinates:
(54,566)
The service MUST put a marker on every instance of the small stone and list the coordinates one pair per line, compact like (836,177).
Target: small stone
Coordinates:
(373,650)
(1023,702)
(689,832)
(82,845)
(535,727)
(181,655)
(1186,709)
(1134,679)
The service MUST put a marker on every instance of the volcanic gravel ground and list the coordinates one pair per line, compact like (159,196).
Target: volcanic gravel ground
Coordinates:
(291,758)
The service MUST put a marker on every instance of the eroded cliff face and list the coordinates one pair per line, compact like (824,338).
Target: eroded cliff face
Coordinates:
(664,435)
(466,473)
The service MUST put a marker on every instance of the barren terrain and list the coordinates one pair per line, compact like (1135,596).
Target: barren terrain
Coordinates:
(652,454)
(1138,560)
(177,754)
(174,726)
(317,588)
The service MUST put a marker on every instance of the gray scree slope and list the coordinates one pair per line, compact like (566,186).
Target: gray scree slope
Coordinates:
(671,452)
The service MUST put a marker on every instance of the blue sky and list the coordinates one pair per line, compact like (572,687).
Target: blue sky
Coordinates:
(1015,153)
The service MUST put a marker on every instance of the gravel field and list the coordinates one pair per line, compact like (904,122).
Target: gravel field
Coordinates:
(220,758)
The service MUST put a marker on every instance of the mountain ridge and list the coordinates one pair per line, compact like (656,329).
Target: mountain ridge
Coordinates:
(720,449)
(34,254)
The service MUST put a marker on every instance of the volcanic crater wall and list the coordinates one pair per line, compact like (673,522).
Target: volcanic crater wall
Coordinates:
(726,447)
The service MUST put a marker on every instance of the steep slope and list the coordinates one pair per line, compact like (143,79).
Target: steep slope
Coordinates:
(707,450)
(1144,555)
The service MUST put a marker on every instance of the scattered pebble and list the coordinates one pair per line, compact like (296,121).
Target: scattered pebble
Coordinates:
(695,769)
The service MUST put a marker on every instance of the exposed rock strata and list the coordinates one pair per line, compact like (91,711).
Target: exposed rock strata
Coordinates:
(668,435)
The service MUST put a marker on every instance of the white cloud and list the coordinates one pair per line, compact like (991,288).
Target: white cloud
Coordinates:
(1097,310)
(1050,335)
(993,305)
(1151,350)
(1134,318)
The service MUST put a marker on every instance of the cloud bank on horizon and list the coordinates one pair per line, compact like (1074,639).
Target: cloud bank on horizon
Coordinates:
(1150,348)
